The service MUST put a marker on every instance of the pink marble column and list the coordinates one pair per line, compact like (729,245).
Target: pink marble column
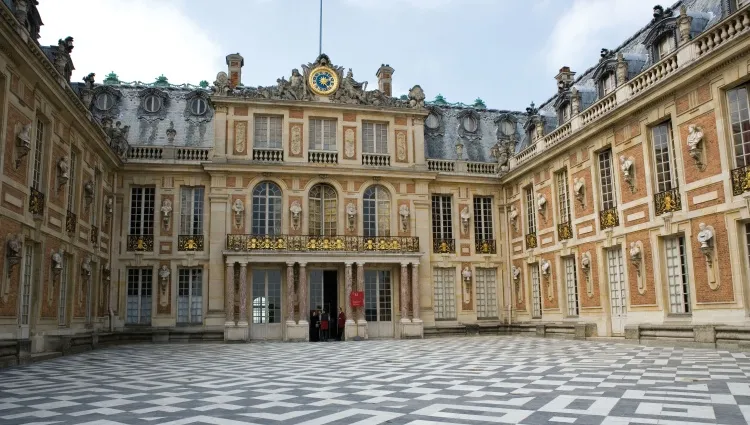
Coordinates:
(415,291)
(290,292)
(304,311)
(243,293)
(361,287)
(348,294)
(404,294)
(229,293)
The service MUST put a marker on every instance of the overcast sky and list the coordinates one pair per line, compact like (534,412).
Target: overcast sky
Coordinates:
(506,52)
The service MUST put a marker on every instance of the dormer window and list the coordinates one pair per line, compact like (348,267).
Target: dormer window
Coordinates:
(152,103)
(563,113)
(432,122)
(105,101)
(198,106)
(608,83)
(507,128)
(665,45)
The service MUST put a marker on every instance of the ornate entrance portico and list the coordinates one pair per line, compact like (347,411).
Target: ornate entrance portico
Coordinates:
(295,288)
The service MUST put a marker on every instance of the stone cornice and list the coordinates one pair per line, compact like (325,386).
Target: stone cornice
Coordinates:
(303,104)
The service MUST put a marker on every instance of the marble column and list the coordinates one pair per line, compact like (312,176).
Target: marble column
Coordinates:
(290,292)
(361,287)
(243,294)
(229,293)
(404,294)
(415,291)
(304,311)
(348,293)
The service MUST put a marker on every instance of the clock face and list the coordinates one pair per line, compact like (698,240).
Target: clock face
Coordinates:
(323,80)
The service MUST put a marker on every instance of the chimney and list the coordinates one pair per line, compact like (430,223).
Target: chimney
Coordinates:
(564,79)
(384,79)
(235,62)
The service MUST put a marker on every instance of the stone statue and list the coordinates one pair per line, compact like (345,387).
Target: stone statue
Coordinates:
(109,206)
(350,91)
(88,189)
(23,138)
(62,57)
(86,266)
(166,210)
(578,185)
(516,273)
(545,265)
(626,165)
(221,84)
(705,236)
(539,129)
(635,252)
(63,170)
(88,81)
(118,136)
(57,260)
(163,280)
(296,210)
(466,273)
(14,247)
(164,272)
(465,216)
(621,72)
(351,213)
(416,97)
(513,215)
(541,202)
(403,212)
(575,101)
(297,85)
(695,136)
(238,207)
(586,262)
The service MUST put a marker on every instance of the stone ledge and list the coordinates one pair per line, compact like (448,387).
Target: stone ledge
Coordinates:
(698,336)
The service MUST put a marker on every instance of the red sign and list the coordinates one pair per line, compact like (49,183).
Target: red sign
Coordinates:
(358,299)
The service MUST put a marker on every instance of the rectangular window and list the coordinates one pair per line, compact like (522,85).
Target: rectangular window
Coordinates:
(571,285)
(62,302)
(139,296)
(609,84)
(72,182)
(28,276)
(530,211)
(191,210)
(679,288)
(536,292)
(323,134)
(190,295)
(37,167)
(666,174)
(267,132)
(378,306)
(442,218)
(739,118)
(563,198)
(374,137)
(444,280)
(483,218)
(142,201)
(486,281)
(666,45)
(607,186)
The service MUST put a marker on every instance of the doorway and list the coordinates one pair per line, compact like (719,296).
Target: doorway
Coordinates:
(378,304)
(324,290)
(266,304)
(617,289)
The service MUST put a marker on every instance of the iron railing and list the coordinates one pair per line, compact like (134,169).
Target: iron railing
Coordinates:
(564,231)
(190,242)
(71,221)
(36,202)
(740,180)
(94,234)
(140,243)
(485,246)
(310,243)
(667,201)
(609,218)
(443,246)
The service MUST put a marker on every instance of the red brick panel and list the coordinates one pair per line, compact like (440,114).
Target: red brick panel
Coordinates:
(638,172)
(16,121)
(721,262)
(519,288)
(633,213)
(588,190)
(587,300)
(164,298)
(549,285)
(704,190)
(9,304)
(710,148)
(647,270)
(545,216)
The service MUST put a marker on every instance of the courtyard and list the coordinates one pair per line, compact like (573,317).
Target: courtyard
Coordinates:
(515,380)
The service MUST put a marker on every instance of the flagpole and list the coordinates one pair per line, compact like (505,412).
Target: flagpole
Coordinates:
(320,33)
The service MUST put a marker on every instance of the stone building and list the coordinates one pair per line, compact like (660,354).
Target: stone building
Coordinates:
(230,211)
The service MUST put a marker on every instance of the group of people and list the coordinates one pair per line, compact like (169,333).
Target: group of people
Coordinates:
(320,325)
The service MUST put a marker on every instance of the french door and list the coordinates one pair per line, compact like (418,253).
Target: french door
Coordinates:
(378,304)
(617,290)
(265,304)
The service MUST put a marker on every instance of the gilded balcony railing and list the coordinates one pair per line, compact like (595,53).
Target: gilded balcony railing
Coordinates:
(94,237)
(71,221)
(609,218)
(485,246)
(443,246)
(667,201)
(740,180)
(564,231)
(531,241)
(308,243)
(190,243)
(36,202)
(140,243)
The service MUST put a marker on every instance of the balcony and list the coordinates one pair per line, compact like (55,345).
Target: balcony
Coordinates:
(531,241)
(323,157)
(268,155)
(740,180)
(94,237)
(316,244)
(71,221)
(486,246)
(609,218)
(376,159)
(564,231)
(443,246)
(190,243)
(667,201)
(36,202)
(168,154)
(140,243)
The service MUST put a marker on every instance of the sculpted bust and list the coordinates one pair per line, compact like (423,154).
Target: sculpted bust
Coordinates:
(64,168)
(166,207)
(351,209)
(466,273)
(705,235)
(164,272)
(626,164)
(238,207)
(516,273)
(695,136)
(635,252)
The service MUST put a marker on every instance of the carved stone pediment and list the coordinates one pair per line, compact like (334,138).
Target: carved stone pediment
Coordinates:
(198,107)
(153,104)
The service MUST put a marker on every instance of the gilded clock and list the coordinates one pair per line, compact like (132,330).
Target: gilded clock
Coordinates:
(323,81)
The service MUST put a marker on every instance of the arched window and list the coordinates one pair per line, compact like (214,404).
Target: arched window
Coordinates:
(266,209)
(323,206)
(377,212)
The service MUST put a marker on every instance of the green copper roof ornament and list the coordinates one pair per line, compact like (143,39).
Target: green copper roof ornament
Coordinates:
(479,104)
(440,100)
(161,81)
(404,97)
(203,84)
(111,78)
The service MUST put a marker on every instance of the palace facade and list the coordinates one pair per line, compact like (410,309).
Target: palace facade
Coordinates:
(231,211)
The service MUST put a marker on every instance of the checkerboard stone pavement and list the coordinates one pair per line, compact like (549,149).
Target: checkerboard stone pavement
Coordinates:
(489,380)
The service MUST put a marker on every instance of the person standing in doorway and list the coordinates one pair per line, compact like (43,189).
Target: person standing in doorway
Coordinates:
(314,326)
(341,324)
(324,324)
